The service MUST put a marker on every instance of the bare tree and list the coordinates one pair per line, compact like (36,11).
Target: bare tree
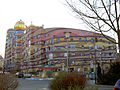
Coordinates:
(100,15)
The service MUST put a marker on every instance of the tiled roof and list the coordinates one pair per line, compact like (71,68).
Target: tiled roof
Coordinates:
(75,32)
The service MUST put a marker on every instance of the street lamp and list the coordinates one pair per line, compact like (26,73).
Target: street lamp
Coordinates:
(101,63)
(95,47)
(67,35)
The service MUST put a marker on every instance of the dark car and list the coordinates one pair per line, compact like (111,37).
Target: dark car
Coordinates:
(20,75)
(117,85)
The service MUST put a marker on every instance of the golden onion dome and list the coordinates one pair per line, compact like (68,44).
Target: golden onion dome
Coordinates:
(20,25)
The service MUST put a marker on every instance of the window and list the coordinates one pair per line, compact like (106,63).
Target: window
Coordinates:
(46,43)
(106,67)
(71,39)
(52,48)
(90,47)
(80,39)
(20,31)
(109,47)
(95,47)
(110,54)
(38,36)
(65,54)
(92,40)
(49,41)
(66,47)
(82,46)
(103,47)
(46,35)
(58,40)
(29,52)
(52,41)
(85,39)
(34,50)
(45,49)
(100,40)
(85,69)
(58,54)
(45,55)
(72,46)
(50,56)
(73,62)
(98,47)
(65,39)
(82,54)
(84,61)
(72,54)
(58,47)
(38,49)
(29,43)
(38,43)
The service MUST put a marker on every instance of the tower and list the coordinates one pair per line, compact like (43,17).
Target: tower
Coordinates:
(19,28)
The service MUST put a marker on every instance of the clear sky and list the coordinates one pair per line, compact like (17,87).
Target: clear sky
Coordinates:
(51,13)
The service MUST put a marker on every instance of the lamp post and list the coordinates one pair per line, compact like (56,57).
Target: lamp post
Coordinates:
(95,47)
(67,35)
(101,63)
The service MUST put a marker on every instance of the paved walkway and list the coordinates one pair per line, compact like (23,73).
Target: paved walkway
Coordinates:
(92,86)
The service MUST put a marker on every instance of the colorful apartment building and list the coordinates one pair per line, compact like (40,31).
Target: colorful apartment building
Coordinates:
(1,63)
(33,49)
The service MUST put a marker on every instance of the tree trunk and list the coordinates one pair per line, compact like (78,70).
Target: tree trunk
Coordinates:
(119,43)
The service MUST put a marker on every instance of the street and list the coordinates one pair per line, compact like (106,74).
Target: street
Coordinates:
(25,84)
(42,84)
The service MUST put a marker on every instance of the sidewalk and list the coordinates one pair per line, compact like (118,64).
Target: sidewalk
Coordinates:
(39,78)
(91,85)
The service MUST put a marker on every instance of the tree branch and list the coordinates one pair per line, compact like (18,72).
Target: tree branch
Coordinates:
(108,16)
(100,17)
(117,18)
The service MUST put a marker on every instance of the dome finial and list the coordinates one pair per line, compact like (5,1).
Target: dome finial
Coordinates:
(31,22)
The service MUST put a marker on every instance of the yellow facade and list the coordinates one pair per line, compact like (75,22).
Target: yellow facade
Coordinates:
(38,48)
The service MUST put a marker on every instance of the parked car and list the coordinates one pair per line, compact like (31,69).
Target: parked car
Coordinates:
(19,75)
(117,85)
(27,75)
